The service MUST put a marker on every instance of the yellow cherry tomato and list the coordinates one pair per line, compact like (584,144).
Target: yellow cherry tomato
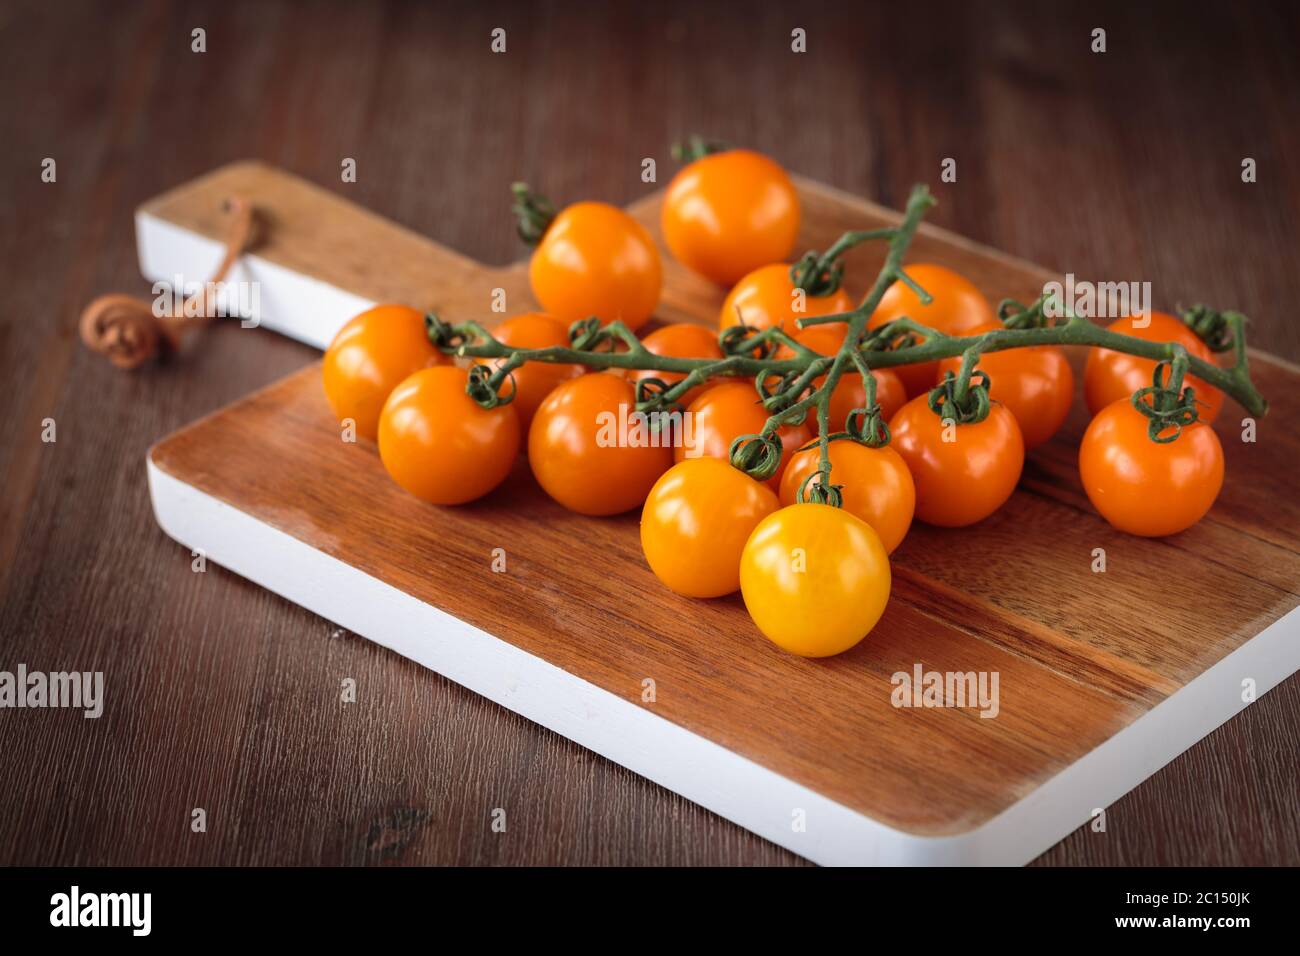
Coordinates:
(439,444)
(728,213)
(766,298)
(595,259)
(369,357)
(815,579)
(695,523)
(875,483)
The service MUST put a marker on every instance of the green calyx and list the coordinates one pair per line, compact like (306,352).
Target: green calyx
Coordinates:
(1213,327)
(868,427)
(484,385)
(758,456)
(817,489)
(822,273)
(1168,406)
(963,402)
(1016,315)
(650,394)
(816,275)
(586,334)
(534,213)
(441,334)
(697,147)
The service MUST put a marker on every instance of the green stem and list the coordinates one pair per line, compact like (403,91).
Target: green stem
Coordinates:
(900,342)
(697,147)
(533,213)
(1232,380)
(821,274)
(483,346)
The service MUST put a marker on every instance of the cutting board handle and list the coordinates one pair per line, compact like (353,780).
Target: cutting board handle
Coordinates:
(319,258)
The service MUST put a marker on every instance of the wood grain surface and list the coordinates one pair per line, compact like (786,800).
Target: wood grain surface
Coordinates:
(1120,166)
(1017,595)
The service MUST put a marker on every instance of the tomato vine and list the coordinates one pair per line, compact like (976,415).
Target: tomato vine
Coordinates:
(784,370)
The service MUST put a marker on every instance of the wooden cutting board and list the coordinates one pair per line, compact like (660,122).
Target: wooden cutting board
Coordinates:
(1103,677)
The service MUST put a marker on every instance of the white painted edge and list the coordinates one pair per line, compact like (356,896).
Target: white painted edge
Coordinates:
(288,302)
(704,772)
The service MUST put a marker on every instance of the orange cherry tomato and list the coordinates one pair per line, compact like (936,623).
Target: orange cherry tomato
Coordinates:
(958,307)
(695,523)
(849,392)
(533,381)
(369,357)
(1110,376)
(966,479)
(1144,487)
(728,213)
(590,451)
(439,444)
(1035,383)
(766,298)
(727,411)
(595,259)
(875,483)
(679,340)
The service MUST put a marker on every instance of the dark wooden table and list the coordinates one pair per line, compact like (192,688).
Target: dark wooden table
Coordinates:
(1117,166)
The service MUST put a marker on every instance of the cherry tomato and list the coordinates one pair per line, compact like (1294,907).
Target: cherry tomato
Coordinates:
(1035,383)
(695,523)
(1110,376)
(595,259)
(369,357)
(876,485)
(815,579)
(728,213)
(439,444)
(727,411)
(849,392)
(679,340)
(958,307)
(1144,487)
(533,381)
(765,298)
(590,451)
(964,479)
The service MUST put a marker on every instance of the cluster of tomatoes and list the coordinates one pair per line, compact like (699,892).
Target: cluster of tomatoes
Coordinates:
(814,577)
